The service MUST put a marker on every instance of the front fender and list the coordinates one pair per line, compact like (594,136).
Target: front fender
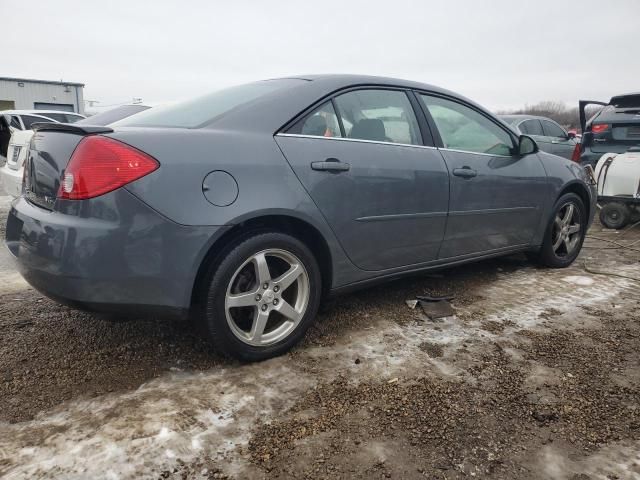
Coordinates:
(564,176)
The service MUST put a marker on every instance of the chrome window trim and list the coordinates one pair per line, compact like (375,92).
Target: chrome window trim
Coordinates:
(475,153)
(358,140)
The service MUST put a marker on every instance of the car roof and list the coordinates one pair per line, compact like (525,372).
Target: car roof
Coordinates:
(345,80)
(520,116)
(277,108)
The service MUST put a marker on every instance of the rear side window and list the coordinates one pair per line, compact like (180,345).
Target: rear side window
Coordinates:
(28,120)
(462,128)
(379,115)
(531,127)
(72,118)
(58,117)
(15,122)
(322,122)
(203,110)
(553,130)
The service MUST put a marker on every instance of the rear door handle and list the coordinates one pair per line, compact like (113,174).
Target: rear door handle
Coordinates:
(331,165)
(465,172)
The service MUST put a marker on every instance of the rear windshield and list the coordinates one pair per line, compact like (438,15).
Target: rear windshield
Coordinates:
(626,101)
(509,120)
(203,110)
(113,115)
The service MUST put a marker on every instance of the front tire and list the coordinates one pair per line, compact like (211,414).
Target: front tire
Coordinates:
(262,297)
(564,234)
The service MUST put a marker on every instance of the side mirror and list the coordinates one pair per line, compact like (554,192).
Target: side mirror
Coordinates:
(526,145)
(571,134)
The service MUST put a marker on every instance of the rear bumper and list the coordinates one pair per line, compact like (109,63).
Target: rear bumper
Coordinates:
(111,254)
(11,180)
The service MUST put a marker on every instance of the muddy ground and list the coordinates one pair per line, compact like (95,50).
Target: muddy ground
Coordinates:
(536,376)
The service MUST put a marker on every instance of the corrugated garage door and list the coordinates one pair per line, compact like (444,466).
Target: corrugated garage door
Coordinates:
(66,107)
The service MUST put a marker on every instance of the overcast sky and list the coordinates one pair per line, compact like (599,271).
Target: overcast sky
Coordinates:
(501,53)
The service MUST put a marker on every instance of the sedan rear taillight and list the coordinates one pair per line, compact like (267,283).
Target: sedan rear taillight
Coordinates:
(599,127)
(577,151)
(100,165)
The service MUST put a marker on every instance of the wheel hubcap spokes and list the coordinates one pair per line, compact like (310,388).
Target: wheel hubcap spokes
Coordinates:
(566,230)
(267,297)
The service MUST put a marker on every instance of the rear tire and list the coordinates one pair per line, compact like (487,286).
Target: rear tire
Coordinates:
(565,233)
(615,215)
(252,312)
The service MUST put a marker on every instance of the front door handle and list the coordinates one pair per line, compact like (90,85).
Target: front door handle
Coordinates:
(465,172)
(331,165)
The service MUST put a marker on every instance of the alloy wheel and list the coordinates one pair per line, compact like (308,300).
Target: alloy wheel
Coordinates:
(567,230)
(267,297)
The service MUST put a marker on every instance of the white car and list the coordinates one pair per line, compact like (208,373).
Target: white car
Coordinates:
(22,119)
(20,126)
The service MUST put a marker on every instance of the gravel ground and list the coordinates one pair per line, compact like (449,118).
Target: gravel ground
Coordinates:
(536,376)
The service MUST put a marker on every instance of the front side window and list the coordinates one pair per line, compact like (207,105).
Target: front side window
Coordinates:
(553,130)
(322,122)
(378,115)
(531,127)
(463,128)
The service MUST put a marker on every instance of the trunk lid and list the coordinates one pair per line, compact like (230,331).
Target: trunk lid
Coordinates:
(49,153)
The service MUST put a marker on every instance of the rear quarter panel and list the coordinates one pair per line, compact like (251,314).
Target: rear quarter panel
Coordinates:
(266,183)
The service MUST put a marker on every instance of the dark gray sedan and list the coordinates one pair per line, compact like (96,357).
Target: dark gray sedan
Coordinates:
(549,136)
(246,207)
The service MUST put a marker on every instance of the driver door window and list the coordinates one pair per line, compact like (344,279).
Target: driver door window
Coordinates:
(553,130)
(531,127)
(462,128)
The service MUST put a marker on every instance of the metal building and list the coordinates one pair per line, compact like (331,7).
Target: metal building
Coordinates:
(28,94)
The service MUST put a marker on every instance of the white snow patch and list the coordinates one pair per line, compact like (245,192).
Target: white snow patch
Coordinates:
(579,280)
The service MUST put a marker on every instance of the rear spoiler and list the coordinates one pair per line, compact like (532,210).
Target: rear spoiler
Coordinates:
(582,105)
(70,127)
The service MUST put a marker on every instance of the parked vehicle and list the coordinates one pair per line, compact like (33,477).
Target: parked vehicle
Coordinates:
(5,137)
(549,136)
(613,129)
(575,134)
(245,207)
(20,122)
(11,173)
(22,119)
